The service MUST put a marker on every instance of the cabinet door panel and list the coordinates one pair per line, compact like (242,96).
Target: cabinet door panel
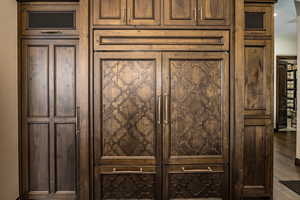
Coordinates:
(144,12)
(214,12)
(180,12)
(196,117)
(49,142)
(134,182)
(126,93)
(109,12)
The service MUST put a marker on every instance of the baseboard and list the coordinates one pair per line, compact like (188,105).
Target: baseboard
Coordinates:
(297,161)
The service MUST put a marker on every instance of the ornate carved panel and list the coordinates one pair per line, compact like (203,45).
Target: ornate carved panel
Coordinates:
(126,86)
(194,186)
(198,100)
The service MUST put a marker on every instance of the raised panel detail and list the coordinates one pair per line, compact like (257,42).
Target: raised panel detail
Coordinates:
(180,12)
(109,12)
(198,90)
(214,12)
(38,166)
(38,81)
(65,154)
(125,84)
(144,12)
(65,76)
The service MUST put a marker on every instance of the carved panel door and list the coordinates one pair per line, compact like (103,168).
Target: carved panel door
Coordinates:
(109,12)
(127,128)
(213,12)
(196,117)
(49,139)
(180,12)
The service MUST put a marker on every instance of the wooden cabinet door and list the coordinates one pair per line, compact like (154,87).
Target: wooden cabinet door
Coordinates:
(196,123)
(109,12)
(143,12)
(49,139)
(127,97)
(258,118)
(213,12)
(180,12)
(196,97)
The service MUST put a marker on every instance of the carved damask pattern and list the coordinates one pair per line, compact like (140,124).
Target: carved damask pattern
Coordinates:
(196,185)
(196,108)
(128,107)
(129,186)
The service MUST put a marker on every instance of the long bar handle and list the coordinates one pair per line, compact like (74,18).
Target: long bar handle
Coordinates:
(115,170)
(51,32)
(209,169)
(196,14)
(77,119)
(159,109)
(166,109)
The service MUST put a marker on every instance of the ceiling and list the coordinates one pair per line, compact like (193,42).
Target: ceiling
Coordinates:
(285,18)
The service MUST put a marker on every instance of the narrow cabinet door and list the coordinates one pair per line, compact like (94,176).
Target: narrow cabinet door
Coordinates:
(196,102)
(127,100)
(49,141)
(109,12)
(144,12)
(180,12)
(213,12)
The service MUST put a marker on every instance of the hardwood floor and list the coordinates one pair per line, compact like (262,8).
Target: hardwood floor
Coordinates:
(284,167)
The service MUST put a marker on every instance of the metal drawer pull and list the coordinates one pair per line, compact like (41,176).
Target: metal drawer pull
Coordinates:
(209,169)
(51,32)
(159,109)
(115,170)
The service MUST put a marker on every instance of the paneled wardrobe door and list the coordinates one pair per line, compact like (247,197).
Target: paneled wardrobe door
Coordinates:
(143,12)
(127,125)
(213,12)
(49,116)
(180,12)
(196,122)
(109,12)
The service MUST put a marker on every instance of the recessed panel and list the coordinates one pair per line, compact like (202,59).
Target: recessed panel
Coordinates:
(65,153)
(254,20)
(38,148)
(110,9)
(144,9)
(65,78)
(38,81)
(181,9)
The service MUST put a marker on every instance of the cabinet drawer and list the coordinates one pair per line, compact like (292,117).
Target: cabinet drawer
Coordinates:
(127,182)
(172,40)
(49,19)
(195,182)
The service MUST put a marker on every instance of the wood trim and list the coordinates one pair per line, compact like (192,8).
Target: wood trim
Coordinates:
(237,140)
(84,187)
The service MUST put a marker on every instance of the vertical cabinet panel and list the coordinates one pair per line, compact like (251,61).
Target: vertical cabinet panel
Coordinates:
(197,108)
(214,12)
(38,80)
(65,153)
(65,86)
(109,12)
(38,166)
(49,146)
(144,12)
(125,88)
(180,12)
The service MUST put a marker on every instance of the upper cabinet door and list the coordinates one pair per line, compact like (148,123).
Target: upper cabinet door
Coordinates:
(109,12)
(143,12)
(213,12)
(180,12)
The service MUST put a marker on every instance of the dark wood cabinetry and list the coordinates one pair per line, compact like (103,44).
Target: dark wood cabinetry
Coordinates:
(144,99)
(49,115)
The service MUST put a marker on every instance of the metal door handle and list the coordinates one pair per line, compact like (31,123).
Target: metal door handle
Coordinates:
(77,119)
(166,109)
(209,169)
(51,32)
(159,109)
(115,170)
(195,13)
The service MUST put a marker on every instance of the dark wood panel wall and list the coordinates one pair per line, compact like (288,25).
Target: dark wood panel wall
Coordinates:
(258,107)
(133,99)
